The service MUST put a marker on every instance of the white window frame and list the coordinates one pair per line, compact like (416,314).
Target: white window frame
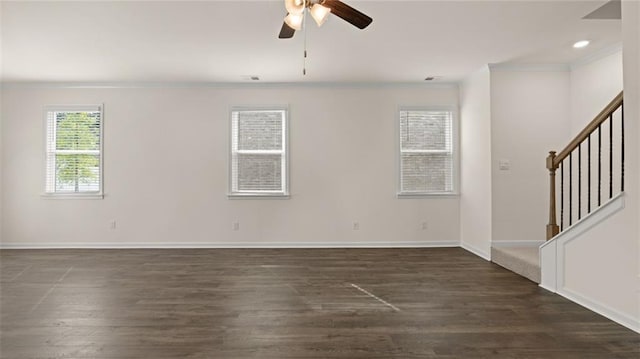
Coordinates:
(51,193)
(282,194)
(455,178)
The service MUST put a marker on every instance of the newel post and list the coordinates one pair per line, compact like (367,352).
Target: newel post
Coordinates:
(552,227)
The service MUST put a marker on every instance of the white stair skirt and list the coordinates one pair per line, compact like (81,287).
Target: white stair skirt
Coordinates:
(553,266)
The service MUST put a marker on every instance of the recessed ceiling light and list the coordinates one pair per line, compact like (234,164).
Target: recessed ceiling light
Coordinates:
(580,44)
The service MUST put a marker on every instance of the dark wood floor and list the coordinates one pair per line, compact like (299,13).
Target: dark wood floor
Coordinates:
(288,303)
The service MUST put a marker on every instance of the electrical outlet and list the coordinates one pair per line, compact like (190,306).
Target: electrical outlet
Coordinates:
(112,224)
(356,226)
(236,226)
(425,225)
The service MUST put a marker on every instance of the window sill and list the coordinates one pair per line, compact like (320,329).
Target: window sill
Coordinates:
(258,196)
(72,196)
(428,195)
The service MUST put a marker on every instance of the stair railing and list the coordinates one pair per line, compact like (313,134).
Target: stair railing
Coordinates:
(572,160)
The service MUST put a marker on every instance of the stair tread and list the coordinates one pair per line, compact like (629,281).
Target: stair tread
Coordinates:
(521,260)
(528,254)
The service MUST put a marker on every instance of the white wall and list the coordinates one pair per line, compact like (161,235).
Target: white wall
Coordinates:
(593,85)
(631,31)
(1,152)
(1,159)
(475,163)
(166,151)
(529,112)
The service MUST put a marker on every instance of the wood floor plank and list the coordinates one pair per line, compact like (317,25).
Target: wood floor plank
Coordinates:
(288,303)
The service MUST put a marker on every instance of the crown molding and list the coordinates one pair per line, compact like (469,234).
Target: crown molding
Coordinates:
(225,85)
(598,55)
(499,67)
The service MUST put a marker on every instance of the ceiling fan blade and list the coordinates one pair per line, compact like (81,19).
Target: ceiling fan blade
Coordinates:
(348,14)
(286,32)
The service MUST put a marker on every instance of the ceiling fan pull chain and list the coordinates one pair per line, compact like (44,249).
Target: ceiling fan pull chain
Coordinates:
(304,28)
(304,62)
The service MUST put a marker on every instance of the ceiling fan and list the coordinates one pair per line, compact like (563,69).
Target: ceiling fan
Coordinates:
(319,10)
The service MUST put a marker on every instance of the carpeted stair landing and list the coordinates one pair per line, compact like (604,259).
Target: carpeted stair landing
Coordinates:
(520,260)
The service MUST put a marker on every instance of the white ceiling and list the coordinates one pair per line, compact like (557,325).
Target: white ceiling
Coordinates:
(223,41)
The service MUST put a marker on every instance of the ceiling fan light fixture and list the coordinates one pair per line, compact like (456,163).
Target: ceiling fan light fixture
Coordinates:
(294,21)
(319,13)
(295,7)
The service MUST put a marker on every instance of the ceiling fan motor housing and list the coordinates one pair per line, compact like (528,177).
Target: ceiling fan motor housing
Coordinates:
(319,10)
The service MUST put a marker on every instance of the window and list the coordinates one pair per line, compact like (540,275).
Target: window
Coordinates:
(74,150)
(427,157)
(259,152)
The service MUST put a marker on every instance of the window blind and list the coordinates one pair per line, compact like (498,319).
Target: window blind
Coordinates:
(426,152)
(258,152)
(73,150)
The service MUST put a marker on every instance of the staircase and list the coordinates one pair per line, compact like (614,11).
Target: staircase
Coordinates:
(590,189)
(582,236)
(524,261)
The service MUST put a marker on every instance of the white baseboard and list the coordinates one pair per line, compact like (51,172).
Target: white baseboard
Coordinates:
(605,311)
(204,245)
(517,243)
(475,250)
